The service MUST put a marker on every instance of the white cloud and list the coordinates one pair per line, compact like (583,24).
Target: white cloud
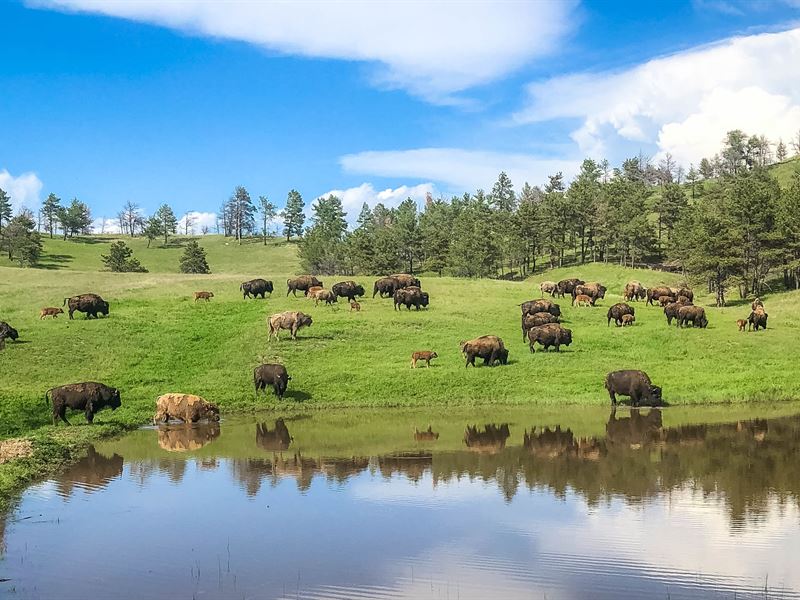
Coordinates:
(25,189)
(431,48)
(198,221)
(463,170)
(683,103)
(106,226)
(353,198)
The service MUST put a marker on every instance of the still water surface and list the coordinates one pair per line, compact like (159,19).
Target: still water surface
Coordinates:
(575,503)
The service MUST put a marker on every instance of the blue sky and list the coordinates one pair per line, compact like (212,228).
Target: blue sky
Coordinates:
(180,102)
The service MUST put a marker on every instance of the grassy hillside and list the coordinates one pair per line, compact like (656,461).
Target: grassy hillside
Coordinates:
(785,170)
(158,340)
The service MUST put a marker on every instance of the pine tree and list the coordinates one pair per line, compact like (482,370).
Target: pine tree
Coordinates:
(267,210)
(241,212)
(50,212)
(120,259)
(435,225)
(5,208)
(21,241)
(503,197)
(293,217)
(168,224)
(152,229)
(781,152)
(409,237)
(75,219)
(322,249)
(194,259)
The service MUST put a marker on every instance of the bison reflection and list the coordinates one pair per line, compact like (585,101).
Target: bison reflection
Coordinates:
(93,472)
(185,437)
(275,440)
(491,439)
(636,431)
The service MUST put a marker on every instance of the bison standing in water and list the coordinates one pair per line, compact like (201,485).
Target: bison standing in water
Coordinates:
(184,407)
(90,397)
(91,304)
(617,311)
(255,288)
(291,320)
(348,289)
(635,384)
(488,347)
(302,283)
(271,374)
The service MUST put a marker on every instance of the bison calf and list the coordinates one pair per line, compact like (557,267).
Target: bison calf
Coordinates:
(50,311)
(741,324)
(271,374)
(425,355)
(90,397)
(634,384)
(207,296)
(628,320)
(184,407)
(355,306)
(582,300)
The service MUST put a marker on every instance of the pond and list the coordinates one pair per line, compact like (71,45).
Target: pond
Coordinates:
(504,503)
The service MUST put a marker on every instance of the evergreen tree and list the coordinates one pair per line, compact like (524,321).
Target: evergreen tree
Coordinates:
(293,217)
(75,219)
(780,152)
(194,259)
(168,224)
(50,212)
(268,211)
(409,236)
(120,259)
(706,169)
(583,193)
(789,227)
(693,179)
(21,241)
(360,242)
(435,225)
(502,197)
(241,212)
(668,207)
(5,208)
(322,249)
(152,229)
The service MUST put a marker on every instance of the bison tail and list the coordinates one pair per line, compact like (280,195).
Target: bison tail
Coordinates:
(65,302)
(47,396)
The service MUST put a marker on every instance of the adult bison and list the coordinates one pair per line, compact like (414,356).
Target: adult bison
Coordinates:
(634,384)
(91,304)
(696,315)
(594,290)
(292,320)
(653,294)
(549,335)
(687,293)
(348,289)
(671,310)
(407,280)
(90,397)
(255,288)
(634,290)
(302,283)
(273,440)
(326,296)
(386,286)
(534,306)
(488,347)
(410,296)
(184,407)
(758,318)
(271,374)
(7,331)
(551,287)
(617,311)
(756,303)
(534,320)
(566,286)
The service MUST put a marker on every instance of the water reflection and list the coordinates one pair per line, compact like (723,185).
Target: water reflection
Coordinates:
(276,440)
(90,474)
(491,439)
(187,437)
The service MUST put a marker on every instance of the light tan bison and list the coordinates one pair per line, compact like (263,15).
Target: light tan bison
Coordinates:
(184,407)
(292,320)
(50,312)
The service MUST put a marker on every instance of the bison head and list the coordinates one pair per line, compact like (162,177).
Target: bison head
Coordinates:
(425,299)
(104,307)
(655,394)
(359,290)
(8,331)
(566,337)
(211,412)
(115,401)
(304,320)
(502,356)
(703,321)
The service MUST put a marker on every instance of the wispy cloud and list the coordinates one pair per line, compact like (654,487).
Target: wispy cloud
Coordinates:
(353,198)
(25,189)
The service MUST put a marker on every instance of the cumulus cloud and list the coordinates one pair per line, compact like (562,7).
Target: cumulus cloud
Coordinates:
(25,189)
(197,221)
(353,198)
(683,103)
(462,170)
(430,48)
(106,226)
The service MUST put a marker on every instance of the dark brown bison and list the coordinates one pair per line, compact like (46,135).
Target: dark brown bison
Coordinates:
(634,290)
(7,332)
(549,335)
(687,293)
(255,288)
(187,437)
(271,374)
(491,439)
(758,318)
(90,397)
(407,280)
(534,320)
(326,296)
(594,290)
(291,319)
(534,306)
(184,407)
(566,286)
(634,384)
(386,286)
(91,304)
(410,296)
(696,315)
(302,283)
(653,294)
(671,310)
(348,289)
(488,347)
(273,441)
(617,311)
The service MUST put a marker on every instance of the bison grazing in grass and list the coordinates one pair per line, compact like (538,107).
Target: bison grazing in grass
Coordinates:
(758,318)
(348,289)
(628,320)
(426,355)
(90,397)
(696,315)
(410,296)
(566,286)
(291,320)
(549,335)
(7,331)
(271,374)
(594,290)
(534,320)
(326,296)
(255,288)
(302,283)
(671,310)
(653,294)
(488,347)
(617,311)
(551,287)
(207,296)
(91,304)
(386,287)
(536,306)
(634,384)
(184,407)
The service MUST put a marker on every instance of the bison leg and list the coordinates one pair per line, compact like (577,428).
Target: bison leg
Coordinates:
(71,310)
(492,357)
(613,397)
(530,345)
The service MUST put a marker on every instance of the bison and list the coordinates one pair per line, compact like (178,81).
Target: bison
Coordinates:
(756,303)
(291,320)
(582,300)
(407,280)
(488,347)
(386,287)
(90,397)
(91,304)
(687,293)
(271,374)
(566,286)
(758,318)
(664,300)
(326,296)
(634,384)
(594,290)
(653,294)
(534,320)
(535,306)
(696,315)
(428,435)
(634,290)
(551,287)
(50,311)
(255,288)
(207,296)
(426,355)
(741,324)
(273,441)
(302,283)
(617,311)
(549,335)
(348,289)
(628,320)
(410,296)
(7,331)
(184,407)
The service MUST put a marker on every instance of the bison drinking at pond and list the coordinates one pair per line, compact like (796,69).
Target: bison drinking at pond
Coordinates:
(271,374)
(302,283)
(634,384)
(91,304)
(488,347)
(534,320)
(184,407)
(291,319)
(549,335)
(617,311)
(696,315)
(255,288)
(90,397)
(410,296)
(348,289)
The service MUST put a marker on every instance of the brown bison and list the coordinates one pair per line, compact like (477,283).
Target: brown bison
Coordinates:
(271,374)
(664,300)
(756,303)
(534,320)
(407,280)
(653,294)
(594,290)
(634,384)
(50,312)
(671,310)
(617,311)
(273,441)
(91,304)
(386,286)
(348,289)
(355,306)
(488,347)
(187,437)
(291,320)
(582,300)
(687,293)
(491,439)
(549,335)
(90,397)
(326,296)
(566,286)
(302,283)
(696,315)
(758,318)
(535,306)
(428,435)
(410,296)
(207,296)
(184,407)
(634,290)
(551,287)
(426,355)
(7,331)
(628,320)
(255,288)
(684,300)
(741,324)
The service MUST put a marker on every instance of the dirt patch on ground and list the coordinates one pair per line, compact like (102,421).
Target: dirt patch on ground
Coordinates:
(14,448)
